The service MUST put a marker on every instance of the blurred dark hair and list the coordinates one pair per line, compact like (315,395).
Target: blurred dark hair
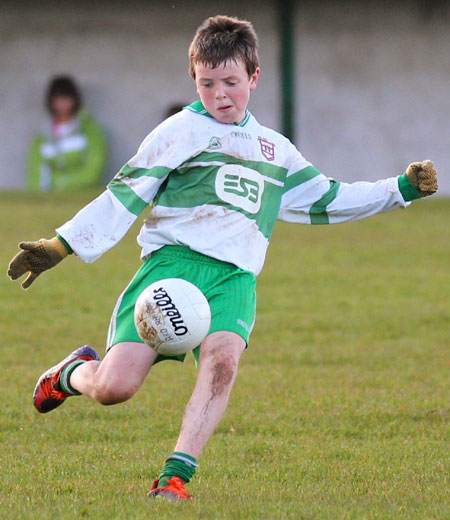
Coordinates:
(63,86)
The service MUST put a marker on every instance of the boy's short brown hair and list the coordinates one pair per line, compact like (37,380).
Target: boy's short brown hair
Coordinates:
(223,38)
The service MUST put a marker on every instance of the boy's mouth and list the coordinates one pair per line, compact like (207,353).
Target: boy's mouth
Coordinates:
(225,108)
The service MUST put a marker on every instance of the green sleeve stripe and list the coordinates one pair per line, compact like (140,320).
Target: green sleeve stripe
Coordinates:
(318,211)
(65,244)
(407,189)
(300,177)
(127,197)
(135,172)
(270,170)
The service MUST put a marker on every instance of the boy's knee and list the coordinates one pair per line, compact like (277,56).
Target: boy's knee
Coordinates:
(228,344)
(112,393)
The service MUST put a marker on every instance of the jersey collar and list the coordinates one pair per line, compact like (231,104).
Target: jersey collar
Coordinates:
(198,108)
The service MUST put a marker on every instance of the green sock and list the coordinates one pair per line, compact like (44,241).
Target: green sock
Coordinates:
(180,465)
(64,378)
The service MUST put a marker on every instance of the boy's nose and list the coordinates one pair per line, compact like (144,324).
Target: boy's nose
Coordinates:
(220,93)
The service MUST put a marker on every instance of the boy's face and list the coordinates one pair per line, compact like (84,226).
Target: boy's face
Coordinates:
(225,90)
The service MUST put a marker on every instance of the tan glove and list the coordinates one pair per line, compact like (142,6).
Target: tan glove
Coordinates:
(423,176)
(36,257)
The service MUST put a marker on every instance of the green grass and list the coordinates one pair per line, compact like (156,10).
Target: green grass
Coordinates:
(340,411)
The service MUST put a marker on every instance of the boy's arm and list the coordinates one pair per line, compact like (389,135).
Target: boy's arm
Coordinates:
(94,229)
(103,222)
(312,198)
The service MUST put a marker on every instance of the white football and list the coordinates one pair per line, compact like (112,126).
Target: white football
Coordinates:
(172,316)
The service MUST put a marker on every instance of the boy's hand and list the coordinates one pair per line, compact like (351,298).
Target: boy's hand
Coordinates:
(36,257)
(423,176)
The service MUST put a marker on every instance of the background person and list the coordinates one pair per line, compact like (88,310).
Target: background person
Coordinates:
(70,153)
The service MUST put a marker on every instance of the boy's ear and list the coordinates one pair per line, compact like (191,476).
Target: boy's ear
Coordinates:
(254,78)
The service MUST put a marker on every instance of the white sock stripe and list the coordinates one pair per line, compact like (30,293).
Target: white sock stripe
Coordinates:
(63,382)
(184,459)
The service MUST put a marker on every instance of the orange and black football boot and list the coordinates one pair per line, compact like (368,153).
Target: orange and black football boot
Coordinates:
(47,394)
(174,491)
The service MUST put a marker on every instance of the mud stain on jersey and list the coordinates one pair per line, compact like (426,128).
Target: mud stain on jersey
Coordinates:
(152,222)
(206,213)
(84,239)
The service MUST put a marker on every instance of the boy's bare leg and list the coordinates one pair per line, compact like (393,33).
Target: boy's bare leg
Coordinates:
(219,358)
(118,377)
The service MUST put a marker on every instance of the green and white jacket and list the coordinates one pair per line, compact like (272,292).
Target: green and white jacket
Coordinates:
(218,189)
(71,162)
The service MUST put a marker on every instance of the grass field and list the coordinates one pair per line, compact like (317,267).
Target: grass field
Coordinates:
(341,408)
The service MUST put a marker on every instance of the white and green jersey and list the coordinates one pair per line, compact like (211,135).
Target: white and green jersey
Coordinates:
(218,189)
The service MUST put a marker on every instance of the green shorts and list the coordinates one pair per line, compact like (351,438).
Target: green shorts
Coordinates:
(229,290)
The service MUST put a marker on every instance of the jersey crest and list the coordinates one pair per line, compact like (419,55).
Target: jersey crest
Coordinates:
(267,148)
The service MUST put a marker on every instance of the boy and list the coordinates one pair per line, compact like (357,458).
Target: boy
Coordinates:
(217,181)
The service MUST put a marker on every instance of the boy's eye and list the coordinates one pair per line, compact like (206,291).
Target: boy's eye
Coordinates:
(231,83)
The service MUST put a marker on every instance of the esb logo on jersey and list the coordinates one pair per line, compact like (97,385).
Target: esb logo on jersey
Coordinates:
(240,186)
